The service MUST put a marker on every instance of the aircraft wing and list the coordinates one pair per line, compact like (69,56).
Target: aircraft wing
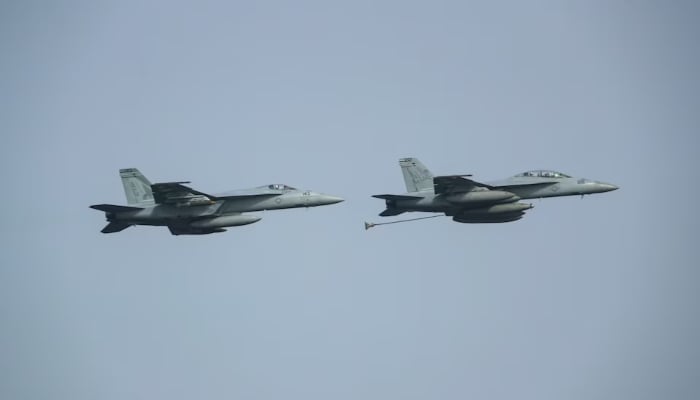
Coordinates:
(247,196)
(177,193)
(456,184)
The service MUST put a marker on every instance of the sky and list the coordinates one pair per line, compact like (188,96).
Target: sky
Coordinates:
(592,298)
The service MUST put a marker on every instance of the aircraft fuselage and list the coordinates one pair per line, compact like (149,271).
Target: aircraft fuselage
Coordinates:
(470,201)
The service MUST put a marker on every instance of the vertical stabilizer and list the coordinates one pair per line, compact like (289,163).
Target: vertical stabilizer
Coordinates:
(417,177)
(136,186)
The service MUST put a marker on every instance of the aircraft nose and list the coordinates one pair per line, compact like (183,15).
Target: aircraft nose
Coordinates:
(607,187)
(328,199)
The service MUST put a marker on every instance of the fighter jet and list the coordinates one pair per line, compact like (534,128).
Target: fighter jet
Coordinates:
(470,201)
(186,211)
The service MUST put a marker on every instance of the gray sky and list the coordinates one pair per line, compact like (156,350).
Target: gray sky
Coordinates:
(582,299)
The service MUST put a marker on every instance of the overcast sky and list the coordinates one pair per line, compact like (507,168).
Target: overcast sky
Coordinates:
(592,298)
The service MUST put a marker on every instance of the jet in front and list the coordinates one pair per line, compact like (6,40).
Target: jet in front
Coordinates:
(186,211)
(469,201)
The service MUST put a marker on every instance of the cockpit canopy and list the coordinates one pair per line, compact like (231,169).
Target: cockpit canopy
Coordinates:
(543,174)
(280,186)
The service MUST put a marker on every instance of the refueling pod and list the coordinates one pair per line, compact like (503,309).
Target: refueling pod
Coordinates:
(498,209)
(488,219)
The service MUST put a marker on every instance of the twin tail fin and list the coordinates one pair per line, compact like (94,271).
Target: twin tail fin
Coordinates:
(417,177)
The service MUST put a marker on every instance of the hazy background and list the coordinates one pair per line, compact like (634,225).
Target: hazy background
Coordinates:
(582,299)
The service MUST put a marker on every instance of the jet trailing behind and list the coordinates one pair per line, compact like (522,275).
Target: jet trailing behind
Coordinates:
(470,201)
(186,211)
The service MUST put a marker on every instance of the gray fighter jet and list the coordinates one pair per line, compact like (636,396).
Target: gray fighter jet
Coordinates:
(469,201)
(186,211)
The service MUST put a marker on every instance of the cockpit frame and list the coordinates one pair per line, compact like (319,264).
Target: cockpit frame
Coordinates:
(280,186)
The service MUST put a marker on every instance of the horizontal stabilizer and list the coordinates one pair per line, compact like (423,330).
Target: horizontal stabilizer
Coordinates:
(112,208)
(396,197)
(390,212)
(115,226)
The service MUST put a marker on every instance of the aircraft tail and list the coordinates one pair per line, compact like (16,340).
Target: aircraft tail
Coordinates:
(115,226)
(136,187)
(113,208)
(416,176)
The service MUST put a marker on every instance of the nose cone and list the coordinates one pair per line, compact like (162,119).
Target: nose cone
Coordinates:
(326,200)
(606,187)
